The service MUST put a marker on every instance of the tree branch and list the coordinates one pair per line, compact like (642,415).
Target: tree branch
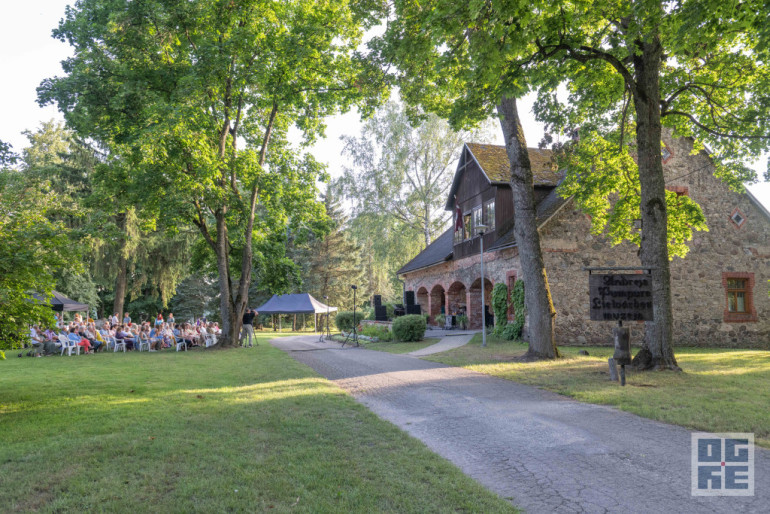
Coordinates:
(710,130)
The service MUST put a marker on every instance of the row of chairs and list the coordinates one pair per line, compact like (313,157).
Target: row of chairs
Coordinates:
(67,345)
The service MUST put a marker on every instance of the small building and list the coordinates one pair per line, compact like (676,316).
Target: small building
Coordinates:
(720,290)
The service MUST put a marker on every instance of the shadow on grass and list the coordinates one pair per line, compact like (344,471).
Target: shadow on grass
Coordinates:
(221,431)
(720,390)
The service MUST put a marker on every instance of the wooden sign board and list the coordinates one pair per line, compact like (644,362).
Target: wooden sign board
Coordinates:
(620,297)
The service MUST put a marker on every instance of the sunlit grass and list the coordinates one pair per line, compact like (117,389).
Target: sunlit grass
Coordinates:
(399,347)
(720,390)
(208,431)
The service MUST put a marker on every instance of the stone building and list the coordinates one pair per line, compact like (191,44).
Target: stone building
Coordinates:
(720,290)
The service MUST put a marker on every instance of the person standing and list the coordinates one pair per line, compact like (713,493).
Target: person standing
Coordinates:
(126,319)
(248,327)
(114,320)
(170,319)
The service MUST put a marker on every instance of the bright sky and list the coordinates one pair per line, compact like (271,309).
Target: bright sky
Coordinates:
(28,54)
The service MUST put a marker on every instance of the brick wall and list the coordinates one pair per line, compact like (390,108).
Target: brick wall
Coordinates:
(699,293)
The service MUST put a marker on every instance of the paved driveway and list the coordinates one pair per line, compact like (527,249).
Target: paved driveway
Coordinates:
(543,451)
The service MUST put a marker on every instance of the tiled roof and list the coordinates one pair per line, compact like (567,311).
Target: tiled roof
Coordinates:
(545,209)
(493,159)
(438,251)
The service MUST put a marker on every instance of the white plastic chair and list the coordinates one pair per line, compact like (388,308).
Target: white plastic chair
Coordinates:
(68,345)
(211,340)
(118,344)
(180,343)
(144,343)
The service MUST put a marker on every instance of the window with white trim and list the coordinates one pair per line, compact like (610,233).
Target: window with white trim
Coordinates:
(489,214)
(476,219)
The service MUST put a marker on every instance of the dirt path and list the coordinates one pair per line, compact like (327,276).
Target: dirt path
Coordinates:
(543,451)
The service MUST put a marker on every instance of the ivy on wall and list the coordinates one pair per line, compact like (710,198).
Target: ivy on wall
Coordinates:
(500,303)
(500,306)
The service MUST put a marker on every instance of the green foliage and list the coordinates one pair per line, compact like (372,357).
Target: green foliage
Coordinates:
(440,320)
(344,320)
(401,170)
(517,298)
(604,182)
(32,249)
(462,320)
(500,305)
(505,330)
(197,98)
(115,239)
(381,333)
(332,260)
(409,328)
(197,295)
(7,156)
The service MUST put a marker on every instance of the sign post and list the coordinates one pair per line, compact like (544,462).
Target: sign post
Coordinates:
(620,297)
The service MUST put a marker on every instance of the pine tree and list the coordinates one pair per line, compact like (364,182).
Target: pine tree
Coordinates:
(334,261)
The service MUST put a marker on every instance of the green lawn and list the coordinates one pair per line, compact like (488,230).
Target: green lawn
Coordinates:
(720,390)
(211,431)
(399,347)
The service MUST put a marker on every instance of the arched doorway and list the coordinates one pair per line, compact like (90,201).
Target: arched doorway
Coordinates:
(422,300)
(437,301)
(475,310)
(456,299)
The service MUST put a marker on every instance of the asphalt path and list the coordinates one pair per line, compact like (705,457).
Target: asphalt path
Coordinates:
(542,451)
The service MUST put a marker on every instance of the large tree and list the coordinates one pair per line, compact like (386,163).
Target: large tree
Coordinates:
(633,68)
(448,64)
(694,66)
(334,260)
(200,96)
(126,251)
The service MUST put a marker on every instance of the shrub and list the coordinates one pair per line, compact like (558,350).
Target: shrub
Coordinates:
(500,306)
(381,333)
(440,320)
(409,328)
(344,320)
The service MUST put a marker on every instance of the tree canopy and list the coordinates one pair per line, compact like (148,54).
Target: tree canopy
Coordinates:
(403,167)
(198,98)
(698,66)
(33,247)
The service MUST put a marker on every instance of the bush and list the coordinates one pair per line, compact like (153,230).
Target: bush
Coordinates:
(500,306)
(409,328)
(344,320)
(381,333)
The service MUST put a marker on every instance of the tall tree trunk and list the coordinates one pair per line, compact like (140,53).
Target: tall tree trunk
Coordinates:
(121,281)
(537,295)
(657,348)
(230,319)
